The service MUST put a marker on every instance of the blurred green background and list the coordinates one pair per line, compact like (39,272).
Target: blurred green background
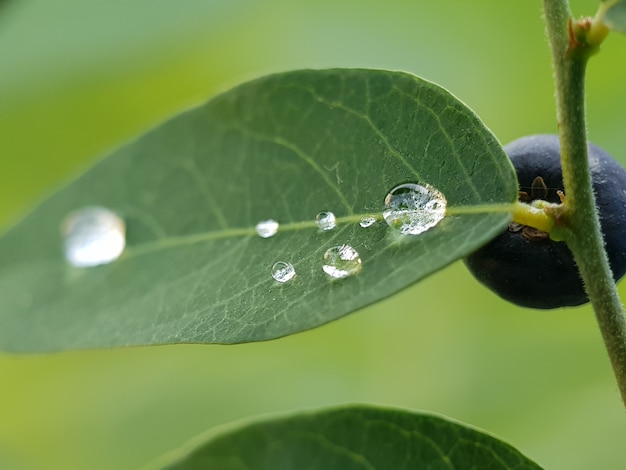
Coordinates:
(80,77)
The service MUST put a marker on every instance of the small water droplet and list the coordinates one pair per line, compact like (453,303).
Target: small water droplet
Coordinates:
(367,221)
(93,236)
(325,221)
(414,208)
(283,271)
(341,261)
(267,228)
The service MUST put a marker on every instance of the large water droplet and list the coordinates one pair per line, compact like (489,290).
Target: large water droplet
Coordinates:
(267,228)
(93,236)
(367,221)
(283,271)
(414,208)
(325,220)
(341,261)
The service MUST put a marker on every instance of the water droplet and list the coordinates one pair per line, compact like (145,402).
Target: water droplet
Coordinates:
(93,236)
(283,271)
(325,221)
(367,221)
(341,261)
(267,228)
(414,208)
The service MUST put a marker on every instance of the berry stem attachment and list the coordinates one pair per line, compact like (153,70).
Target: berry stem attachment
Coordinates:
(581,226)
(536,217)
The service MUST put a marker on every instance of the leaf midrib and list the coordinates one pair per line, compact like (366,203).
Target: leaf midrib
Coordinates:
(192,239)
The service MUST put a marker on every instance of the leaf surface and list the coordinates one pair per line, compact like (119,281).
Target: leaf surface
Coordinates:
(362,438)
(192,190)
(615,16)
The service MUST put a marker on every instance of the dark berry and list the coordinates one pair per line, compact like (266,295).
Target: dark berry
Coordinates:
(522,264)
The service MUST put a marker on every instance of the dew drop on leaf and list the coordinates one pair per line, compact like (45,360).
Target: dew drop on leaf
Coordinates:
(341,261)
(367,221)
(267,228)
(93,236)
(414,208)
(325,220)
(283,272)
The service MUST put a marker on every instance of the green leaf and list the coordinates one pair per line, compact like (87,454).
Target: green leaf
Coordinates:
(615,16)
(191,192)
(354,438)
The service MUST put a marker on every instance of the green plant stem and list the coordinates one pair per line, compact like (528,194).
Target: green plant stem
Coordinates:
(581,226)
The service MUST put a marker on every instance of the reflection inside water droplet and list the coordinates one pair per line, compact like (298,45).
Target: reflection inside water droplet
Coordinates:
(414,208)
(341,261)
(267,228)
(93,236)
(325,220)
(283,271)
(367,221)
